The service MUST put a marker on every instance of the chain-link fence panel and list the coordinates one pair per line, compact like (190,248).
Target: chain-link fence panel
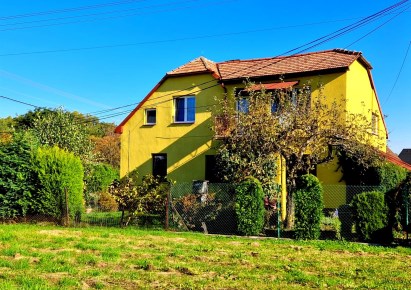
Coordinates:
(210,208)
(338,221)
(203,206)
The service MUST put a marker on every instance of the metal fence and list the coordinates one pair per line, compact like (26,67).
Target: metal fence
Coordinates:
(209,208)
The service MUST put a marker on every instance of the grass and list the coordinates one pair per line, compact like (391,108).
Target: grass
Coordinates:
(44,257)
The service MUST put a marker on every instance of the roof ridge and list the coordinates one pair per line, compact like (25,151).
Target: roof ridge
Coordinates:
(338,50)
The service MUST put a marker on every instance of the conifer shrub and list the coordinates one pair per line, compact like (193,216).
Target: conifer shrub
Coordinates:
(249,207)
(308,207)
(16,176)
(58,172)
(370,214)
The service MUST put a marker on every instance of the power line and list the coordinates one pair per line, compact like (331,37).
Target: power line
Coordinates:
(111,17)
(170,40)
(323,39)
(65,10)
(17,101)
(95,14)
(311,44)
(399,73)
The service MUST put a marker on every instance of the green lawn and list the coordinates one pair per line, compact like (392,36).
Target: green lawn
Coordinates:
(45,257)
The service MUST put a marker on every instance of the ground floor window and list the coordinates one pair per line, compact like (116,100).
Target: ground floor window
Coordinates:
(159,164)
(211,168)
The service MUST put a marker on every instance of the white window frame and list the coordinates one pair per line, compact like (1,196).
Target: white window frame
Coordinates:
(146,116)
(185,121)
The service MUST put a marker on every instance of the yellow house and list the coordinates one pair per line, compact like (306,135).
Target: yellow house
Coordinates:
(170,131)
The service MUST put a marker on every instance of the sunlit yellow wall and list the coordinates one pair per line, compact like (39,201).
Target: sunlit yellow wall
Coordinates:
(361,99)
(185,144)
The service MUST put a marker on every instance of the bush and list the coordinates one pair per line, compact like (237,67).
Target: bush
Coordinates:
(16,177)
(58,172)
(107,202)
(97,178)
(308,207)
(249,207)
(146,198)
(391,176)
(370,213)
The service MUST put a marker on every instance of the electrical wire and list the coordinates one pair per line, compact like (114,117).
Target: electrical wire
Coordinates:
(65,10)
(323,39)
(311,44)
(17,101)
(94,14)
(399,73)
(114,17)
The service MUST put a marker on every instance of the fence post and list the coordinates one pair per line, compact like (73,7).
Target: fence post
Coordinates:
(166,224)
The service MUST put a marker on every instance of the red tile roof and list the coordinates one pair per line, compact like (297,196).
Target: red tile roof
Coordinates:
(198,65)
(393,158)
(308,62)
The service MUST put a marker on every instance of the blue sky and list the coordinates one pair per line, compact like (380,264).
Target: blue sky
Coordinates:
(93,55)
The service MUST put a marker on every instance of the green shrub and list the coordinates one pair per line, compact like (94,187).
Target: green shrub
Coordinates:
(308,207)
(391,176)
(332,223)
(16,176)
(107,202)
(249,207)
(97,178)
(146,198)
(58,172)
(370,213)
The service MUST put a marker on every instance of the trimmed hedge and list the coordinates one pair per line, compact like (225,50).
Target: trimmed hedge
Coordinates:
(16,177)
(370,214)
(308,207)
(58,172)
(249,207)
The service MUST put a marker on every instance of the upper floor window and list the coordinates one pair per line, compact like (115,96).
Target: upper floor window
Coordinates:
(185,109)
(374,123)
(151,116)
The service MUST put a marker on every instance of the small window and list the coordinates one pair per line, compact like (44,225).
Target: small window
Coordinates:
(374,123)
(151,116)
(185,109)
(159,164)
(242,105)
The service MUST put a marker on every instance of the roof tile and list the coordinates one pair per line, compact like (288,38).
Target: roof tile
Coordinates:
(308,62)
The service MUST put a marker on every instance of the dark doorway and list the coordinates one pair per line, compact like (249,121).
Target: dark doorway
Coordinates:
(160,164)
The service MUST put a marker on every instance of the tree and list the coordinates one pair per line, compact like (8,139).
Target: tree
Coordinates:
(60,128)
(107,149)
(286,123)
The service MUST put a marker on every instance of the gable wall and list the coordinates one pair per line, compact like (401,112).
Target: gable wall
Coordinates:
(361,99)
(185,144)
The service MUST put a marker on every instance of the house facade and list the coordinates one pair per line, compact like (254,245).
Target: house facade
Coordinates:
(171,133)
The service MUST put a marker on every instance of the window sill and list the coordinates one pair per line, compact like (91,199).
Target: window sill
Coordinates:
(184,123)
(149,125)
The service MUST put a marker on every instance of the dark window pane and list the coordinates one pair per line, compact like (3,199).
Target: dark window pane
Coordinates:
(160,164)
(242,105)
(151,116)
(179,104)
